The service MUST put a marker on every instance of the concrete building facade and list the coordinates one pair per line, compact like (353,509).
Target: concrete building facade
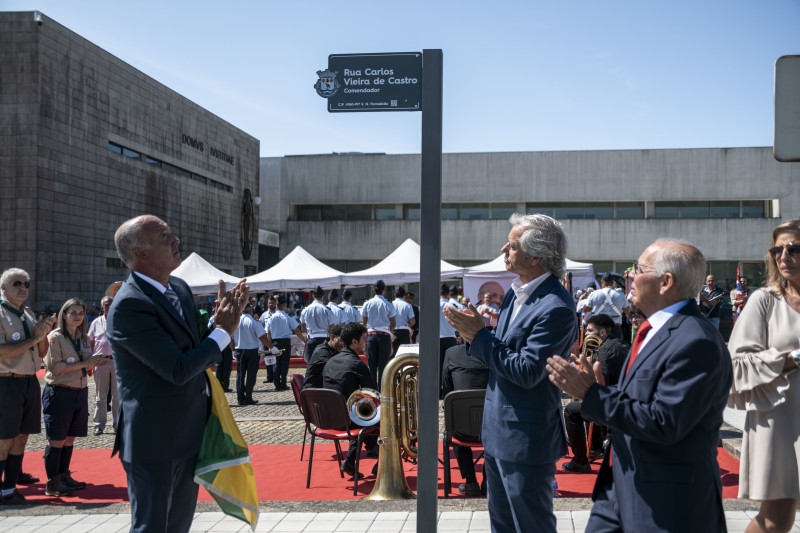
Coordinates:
(89,141)
(351,210)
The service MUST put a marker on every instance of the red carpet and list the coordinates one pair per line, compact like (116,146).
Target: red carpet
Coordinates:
(281,476)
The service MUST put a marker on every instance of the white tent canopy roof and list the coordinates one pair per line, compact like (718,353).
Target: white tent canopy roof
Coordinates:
(401,266)
(297,271)
(497,266)
(201,276)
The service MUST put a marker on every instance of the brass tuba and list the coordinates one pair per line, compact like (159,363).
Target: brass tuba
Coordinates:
(590,346)
(398,427)
(363,406)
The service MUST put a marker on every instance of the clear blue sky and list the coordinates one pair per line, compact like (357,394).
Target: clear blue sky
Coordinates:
(518,76)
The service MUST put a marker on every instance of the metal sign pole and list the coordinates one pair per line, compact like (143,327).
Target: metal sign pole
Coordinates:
(430,276)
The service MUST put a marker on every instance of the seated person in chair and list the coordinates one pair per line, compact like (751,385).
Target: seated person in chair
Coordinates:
(610,357)
(322,354)
(460,372)
(346,373)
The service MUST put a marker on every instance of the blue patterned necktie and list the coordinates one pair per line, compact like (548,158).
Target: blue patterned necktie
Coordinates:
(173,299)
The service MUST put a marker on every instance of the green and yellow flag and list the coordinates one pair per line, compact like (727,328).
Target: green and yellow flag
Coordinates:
(223,465)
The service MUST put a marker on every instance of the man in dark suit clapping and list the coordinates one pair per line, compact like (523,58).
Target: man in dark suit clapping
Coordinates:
(662,473)
(160,363)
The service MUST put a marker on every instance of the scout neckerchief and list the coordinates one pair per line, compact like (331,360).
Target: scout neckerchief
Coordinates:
(77,345)
(20,315)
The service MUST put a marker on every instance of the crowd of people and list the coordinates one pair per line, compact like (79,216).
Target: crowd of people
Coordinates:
(654,407)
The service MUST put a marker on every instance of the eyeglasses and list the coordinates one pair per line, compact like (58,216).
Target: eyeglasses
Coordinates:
(17,284)
(639,269)
(792,248)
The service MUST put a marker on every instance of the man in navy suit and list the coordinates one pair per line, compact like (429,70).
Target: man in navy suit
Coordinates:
(160,363)
(662,473)
(522,431)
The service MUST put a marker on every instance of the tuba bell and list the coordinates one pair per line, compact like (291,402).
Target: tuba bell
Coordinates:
(363,406)
(590,346)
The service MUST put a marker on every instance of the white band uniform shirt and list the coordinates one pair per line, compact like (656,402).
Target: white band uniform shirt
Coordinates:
(11,332)
(318,320)
(377,310)
(352,314)
(445,329)
(338,315)
(248,335)
(266,316)
(219,335)
(281,326)
(455,303)
(608,301)
(403,314)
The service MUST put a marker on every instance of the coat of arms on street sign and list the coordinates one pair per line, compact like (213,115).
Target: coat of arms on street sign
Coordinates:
(326,85)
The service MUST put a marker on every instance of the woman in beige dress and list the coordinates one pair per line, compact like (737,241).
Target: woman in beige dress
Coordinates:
(765,347)
(65,401)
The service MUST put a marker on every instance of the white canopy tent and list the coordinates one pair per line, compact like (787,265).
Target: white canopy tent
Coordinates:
(201,276)
(297,271)
(479,278)
(401,266)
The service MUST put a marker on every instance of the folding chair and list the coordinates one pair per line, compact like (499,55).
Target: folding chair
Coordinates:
(463,417)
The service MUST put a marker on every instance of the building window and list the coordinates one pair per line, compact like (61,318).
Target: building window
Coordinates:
(629,210)
(503,211)
(540,208)
(385,212)
(474,211)
(411,211)
(307,212)
(724,209)
(449,212)
(753,209)
(695,210)
(334,212)
(599,210)
(359,212)
(114,262)
(156,163)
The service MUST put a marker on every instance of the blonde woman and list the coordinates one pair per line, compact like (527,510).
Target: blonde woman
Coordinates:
(65,401)
(765,347)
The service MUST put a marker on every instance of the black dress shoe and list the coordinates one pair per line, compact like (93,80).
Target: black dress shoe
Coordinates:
(350,470)
(26,479)
(577,468)
(594,455)
(250,401)
(98,431)
(470,489)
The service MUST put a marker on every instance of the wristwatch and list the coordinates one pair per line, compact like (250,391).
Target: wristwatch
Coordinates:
(795,355)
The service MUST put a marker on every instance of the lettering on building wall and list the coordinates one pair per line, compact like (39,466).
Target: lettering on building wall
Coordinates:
(191,141)
(215,152)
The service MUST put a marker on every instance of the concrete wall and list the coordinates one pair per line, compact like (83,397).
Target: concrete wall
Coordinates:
(592,176)
(65,99)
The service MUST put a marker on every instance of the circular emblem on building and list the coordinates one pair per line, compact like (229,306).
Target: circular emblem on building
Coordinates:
(247,224)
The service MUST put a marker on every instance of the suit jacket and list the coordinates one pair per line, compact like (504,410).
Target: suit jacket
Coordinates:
(522,419)
(460,371)
(665,416)
(160,363)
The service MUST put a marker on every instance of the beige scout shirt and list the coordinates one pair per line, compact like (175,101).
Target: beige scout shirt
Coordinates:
(12,332)
(60,355)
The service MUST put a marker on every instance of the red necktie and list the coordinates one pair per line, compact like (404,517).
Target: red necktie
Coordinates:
(641,333)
